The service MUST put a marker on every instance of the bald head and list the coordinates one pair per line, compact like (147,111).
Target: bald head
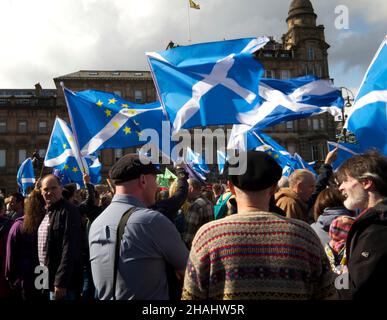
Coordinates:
(303,183)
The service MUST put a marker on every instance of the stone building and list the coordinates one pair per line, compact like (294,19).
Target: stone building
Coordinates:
(26,117)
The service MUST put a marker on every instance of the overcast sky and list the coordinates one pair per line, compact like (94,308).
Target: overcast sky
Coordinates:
(43,39)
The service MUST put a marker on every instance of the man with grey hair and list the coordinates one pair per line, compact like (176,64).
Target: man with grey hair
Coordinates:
(363,182)
(294,199)
(199,212)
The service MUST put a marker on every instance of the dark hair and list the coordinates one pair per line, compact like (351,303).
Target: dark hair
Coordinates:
(371,165)
(329,197)
(18,196)
(69,190)
(209,195)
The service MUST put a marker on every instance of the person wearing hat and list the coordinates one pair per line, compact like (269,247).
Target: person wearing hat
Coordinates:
(256,254)
(149,241)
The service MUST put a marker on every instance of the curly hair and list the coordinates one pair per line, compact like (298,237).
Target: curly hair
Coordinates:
(33,212)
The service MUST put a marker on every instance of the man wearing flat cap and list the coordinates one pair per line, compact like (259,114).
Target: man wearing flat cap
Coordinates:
(149,240)
(256,254)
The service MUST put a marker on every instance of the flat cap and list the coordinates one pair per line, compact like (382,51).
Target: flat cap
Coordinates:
(262,171)
(130,167)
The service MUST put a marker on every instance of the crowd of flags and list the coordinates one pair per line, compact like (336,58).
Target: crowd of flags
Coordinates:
(207,84)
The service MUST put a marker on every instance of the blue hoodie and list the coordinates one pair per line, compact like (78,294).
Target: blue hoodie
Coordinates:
(321,226)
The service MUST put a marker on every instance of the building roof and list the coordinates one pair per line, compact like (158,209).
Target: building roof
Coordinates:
(299,7)
(107,75)
(26,93)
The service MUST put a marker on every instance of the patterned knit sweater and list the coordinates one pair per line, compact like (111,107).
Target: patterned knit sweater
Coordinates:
(257,255)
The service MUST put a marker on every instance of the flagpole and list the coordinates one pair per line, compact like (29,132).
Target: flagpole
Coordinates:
(73,129)
(189,25)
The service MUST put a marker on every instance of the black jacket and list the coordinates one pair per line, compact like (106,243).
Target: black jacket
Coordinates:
(170,207)
(367,254)
(63,246)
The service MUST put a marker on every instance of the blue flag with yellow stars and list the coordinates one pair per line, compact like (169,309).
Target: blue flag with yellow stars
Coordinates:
(62,154)
(104,120)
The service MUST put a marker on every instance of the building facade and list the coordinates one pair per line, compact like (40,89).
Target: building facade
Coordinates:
(27,116)
(302,51)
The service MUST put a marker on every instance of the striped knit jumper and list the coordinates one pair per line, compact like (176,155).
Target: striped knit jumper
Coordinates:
(257,255)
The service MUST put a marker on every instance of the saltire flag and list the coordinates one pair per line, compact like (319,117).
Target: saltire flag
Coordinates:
(221,160)
(256,140)
(194,5)
(367,119)
(196,162)
(25,176)
(62,154)
(193,174)
(209,83)
(287,100)
(346,151)
(103,120)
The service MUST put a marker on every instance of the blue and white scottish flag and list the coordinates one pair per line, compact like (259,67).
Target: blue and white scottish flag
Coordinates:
(209,83)
(346,151)
(368,116)
(197,163)
(286,100)
(25,176)
(104,120)
(256,140)
(62,154)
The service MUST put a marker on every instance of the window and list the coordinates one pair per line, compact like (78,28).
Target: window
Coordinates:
(42,153)
(269,74)
(310,54)
(137,96)
(22,155)
(315,153)
(42,127)
(3,126)
(285,74)
(2,158)
(93,73)
(315,124)
(118,153)
(22,126)
(289,125)
(309,123)
(322,124)
(118,93)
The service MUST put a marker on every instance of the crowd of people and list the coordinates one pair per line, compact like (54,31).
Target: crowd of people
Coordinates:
(260,236)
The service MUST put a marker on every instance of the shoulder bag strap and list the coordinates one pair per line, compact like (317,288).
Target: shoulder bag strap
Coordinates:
(120,232)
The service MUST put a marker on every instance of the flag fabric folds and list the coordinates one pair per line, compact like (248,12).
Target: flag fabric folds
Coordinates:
(104,120)
(62,154)
(25,176)
(194,5)
(256,140)
(196,162)
(286,100)
(209,83)
(368,116)
(346,151)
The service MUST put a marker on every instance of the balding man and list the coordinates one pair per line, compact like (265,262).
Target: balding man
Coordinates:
(294,199)
(59,242)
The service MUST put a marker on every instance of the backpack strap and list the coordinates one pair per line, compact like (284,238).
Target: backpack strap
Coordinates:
(120,233)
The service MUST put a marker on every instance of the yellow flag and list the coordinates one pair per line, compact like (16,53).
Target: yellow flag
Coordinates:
(193,5)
